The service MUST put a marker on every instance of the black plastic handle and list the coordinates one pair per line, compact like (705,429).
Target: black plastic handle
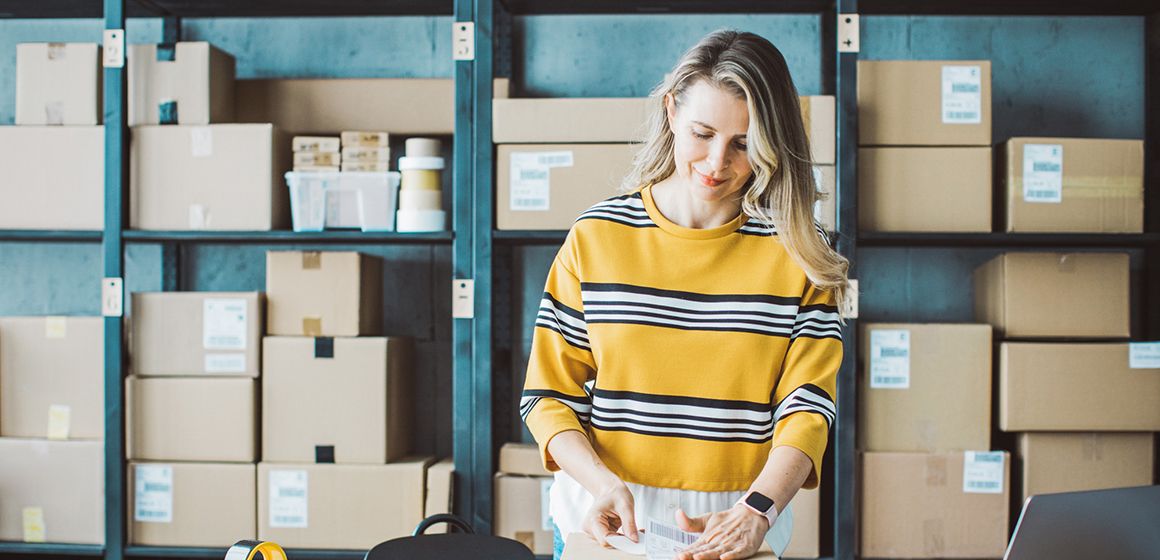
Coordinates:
(447,518)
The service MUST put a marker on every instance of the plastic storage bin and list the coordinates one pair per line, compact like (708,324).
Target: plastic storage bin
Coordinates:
(321,200)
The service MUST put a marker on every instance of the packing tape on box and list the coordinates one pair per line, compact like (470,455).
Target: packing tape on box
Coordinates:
(1066,263)
(430,163)
(1093,187)
(311,260)
(59,422)
(56,327)
(249,550)
(33,524)
(933,538)
(422,147)
(936,470)
(420,220)
(416,199)
(312,326)
(56,51)
(1093,447)
(54,113)
(421,179)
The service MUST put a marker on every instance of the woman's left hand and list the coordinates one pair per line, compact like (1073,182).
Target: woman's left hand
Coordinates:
(732,534)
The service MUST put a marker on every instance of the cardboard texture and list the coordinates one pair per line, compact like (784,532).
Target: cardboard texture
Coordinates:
(1075,387)
(323,293)
(595,173)
(341,506)
(944,359)
(563,120)
(805,541)
(820,120)
(914,506)
(1071,462)
(199,79)
(41,193)
(581,546)
(905,103)
(519,511)
(1098,189)
(924,189)
(210,504)
(351,407)
(64,479)
(521,458)
(826,209)
(191,419)
(47,364)
(223,177)
(440,492)
(58,84)
(1055,295)
(197,333)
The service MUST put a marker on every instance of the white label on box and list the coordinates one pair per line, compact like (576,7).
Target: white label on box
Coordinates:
(223,324)
(55,327)
(663,541)
(983,472)
(201,141)
(890,359)
(1144,355)
(546,522)
(1043,173)
(962,95)
(288,498)
(59,421)
(531,174)
(818,187)
(225,363)
(153,494)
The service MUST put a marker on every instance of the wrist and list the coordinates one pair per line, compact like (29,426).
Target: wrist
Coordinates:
(756,503)
(607,482)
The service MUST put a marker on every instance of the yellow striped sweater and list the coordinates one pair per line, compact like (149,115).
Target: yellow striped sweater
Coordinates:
(684,354)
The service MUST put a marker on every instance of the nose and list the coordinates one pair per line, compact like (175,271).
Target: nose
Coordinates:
(718,157)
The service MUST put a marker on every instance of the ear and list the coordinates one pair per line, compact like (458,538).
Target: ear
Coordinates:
(671,110)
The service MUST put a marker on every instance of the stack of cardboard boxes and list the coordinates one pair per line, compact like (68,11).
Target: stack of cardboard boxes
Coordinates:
(522,486)
(316,153)
(366,151)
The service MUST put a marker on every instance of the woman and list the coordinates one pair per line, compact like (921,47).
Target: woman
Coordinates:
(684,361)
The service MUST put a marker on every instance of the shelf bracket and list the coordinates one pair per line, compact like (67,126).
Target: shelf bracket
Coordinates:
(848,33)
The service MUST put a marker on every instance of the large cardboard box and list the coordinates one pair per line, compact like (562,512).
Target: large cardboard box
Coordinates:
(917,505)
(440,492)
(340,506)
(1073,185)
(924,103)
(195,76)
(58,84)
(805,541)
(1055,294)
(820,119)
(52,377)
(521,458)
(1071,462)
(336,400)
(546,186)
(54,177)
(225,177)
(192,504)
(197,333)
(521,510)
(328,293)
(211,419)
(52,491)
(907,374)
(1075,387)
(562,120)
(924,189)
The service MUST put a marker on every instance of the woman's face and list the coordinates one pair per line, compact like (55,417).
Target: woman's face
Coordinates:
(709,142)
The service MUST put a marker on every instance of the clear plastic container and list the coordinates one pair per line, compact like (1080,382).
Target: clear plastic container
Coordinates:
(334,200)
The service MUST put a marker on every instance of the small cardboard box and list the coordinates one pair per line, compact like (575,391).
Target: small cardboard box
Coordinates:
(195,80)
(39,192)
(1071,462)
(564,120)
(222,177)
(521,511)
(197,333)
(805,541)
(924,103)
(52,491)
(1073,185)
(327,293)
(58,84)
(908,371)
(440,492)
(917,505)
(52,379)
(340,506)
(1075,387)
(212,419)
(569,179)
(1054,294)
(521,458)
(924,189)
(336,400)
(820,119)
(192,504)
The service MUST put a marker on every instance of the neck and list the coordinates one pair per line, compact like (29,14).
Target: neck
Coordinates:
(678,204)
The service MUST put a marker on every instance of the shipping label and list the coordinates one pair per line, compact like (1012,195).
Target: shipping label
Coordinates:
(1043,173)
(224,324)
(983,472)
(664,542)
(530,180)
(1144,355)
(289,498)
(962,95)
(225,363)
(890,359)
(153,493)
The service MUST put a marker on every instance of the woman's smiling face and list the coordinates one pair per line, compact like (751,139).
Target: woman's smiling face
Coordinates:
(709,142)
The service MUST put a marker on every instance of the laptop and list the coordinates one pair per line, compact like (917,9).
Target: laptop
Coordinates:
(1123,524)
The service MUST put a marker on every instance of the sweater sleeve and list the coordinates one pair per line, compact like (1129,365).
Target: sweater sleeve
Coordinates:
(804,394)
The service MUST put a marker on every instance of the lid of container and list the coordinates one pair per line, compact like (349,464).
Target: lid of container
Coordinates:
(429,163)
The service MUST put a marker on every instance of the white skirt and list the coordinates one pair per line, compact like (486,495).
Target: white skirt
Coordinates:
(569,501)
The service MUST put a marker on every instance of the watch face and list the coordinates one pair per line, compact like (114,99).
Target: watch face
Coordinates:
(758,502)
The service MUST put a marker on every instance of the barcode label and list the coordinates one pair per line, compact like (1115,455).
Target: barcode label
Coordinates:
(673,534)
(535,174)
(983,472)
(153,493)
(531,179)
(664,542)
(1144,355)
(963,115)
(223,324)
(1043,173)
(890,359)
(289,498)
(962,95)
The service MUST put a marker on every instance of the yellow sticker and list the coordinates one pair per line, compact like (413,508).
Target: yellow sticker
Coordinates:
(59,421)
(55,327)
(34,524)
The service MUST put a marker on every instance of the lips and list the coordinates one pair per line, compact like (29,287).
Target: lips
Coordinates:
(709,181)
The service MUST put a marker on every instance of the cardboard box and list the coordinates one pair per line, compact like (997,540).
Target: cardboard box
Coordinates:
(1054,294)
(327,293)
(820,119)
(521,458)
(339,506)
(191,419)
(1075,387)
(826,209)
(594,174)
(192,504)
(1073,185)
(440,492)
(906,374)
(58,486)
(41,193)
(581,546)
(52,377)
(223,177)
(562,120)
(521,510)
(924,103)
(915,505)
(58,84)
(197,333)
(336,400)
(805,541)
(924,189)
(1071,462)
(196,77)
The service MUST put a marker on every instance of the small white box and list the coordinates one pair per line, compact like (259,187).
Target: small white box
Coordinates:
(320,200)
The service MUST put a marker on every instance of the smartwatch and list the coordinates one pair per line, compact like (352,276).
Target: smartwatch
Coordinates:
(760,504)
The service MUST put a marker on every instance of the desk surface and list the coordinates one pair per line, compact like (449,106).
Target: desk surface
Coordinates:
(580,546)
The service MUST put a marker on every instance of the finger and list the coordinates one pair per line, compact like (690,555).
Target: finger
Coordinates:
(597,531)
(691,524)
(710,553)
(628,523)
(736,554)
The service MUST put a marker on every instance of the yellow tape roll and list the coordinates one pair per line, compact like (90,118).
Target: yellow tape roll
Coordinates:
(249,550)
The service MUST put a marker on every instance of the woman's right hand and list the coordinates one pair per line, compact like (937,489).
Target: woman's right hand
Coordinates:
(612,510)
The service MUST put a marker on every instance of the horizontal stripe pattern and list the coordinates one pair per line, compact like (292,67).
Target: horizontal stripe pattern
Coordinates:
(582,406)
(748,313)
(817,321)
(626,210)
(567,322)
(807,398)
(684,417)
(756,228)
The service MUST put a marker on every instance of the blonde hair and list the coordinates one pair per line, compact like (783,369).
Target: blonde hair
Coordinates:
(782,192)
